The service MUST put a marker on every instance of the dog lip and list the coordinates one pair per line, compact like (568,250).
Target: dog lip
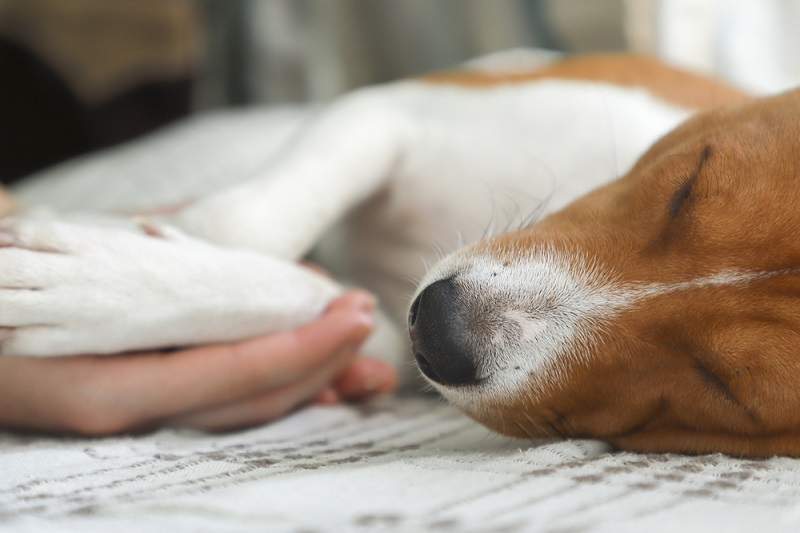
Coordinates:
(429,372)
(426,368)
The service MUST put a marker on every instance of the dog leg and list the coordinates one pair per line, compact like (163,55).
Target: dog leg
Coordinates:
(345,156)
(70,289)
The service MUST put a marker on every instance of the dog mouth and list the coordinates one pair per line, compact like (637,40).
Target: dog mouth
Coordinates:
(426,368)
(429,371)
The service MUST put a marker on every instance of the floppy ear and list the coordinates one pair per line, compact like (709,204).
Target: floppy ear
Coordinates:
(7,204)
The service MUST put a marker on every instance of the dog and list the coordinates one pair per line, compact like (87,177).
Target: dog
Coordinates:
(652,311)
(658,312)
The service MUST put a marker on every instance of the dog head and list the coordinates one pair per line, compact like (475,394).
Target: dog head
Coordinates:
(660,312)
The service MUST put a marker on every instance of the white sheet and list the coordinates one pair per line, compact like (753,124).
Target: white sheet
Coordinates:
(406,464)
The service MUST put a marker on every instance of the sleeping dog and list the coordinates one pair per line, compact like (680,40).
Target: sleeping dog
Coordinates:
(653,312)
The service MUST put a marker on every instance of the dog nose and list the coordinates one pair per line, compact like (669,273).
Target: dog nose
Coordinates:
(438,324)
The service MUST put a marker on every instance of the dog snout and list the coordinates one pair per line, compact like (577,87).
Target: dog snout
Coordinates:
(438,324)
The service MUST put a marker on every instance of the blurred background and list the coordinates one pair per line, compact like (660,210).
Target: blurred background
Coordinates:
(78,75)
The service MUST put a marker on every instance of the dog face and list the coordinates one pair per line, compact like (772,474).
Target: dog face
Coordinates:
(659,312)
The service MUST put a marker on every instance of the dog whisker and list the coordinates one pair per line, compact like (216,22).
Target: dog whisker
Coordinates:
(525,431)
(554,428)
(415,280)
(566,429)
(460,242)
(536,213)
(538,427)
(440,253)
(424,261)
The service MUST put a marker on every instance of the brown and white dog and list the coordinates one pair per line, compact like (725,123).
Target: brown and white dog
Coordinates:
(656,312)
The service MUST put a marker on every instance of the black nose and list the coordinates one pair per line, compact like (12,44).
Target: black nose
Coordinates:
(438,324)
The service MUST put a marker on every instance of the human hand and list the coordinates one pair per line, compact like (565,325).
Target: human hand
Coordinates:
(212,387)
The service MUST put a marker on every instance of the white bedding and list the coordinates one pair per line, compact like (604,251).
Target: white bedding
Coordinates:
(405,464)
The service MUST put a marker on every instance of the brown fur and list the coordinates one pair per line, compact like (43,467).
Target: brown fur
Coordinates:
(714,369)
(671,84)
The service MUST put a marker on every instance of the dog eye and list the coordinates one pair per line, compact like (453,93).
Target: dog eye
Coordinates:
(684,192)
(681,195)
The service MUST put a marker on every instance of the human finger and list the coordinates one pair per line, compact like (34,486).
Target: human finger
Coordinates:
(362,378)
(215,375)
(365,377)
(327,396)
(109,394)
(270,405)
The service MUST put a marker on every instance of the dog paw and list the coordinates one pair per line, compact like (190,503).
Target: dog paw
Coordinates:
(61,284)
(69,289)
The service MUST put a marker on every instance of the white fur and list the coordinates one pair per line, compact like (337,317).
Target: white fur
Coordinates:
(448,162)
(556,302)
(559,304)
(70,289)
(636,292)
(409,171)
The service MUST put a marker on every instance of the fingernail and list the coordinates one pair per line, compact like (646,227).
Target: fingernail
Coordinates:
(366,301)
(361,320)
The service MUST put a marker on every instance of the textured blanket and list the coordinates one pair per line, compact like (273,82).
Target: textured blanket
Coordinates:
(398,464)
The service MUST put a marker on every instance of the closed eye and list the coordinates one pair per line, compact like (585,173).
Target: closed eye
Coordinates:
(684,192)
(681,195)
(712,380)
